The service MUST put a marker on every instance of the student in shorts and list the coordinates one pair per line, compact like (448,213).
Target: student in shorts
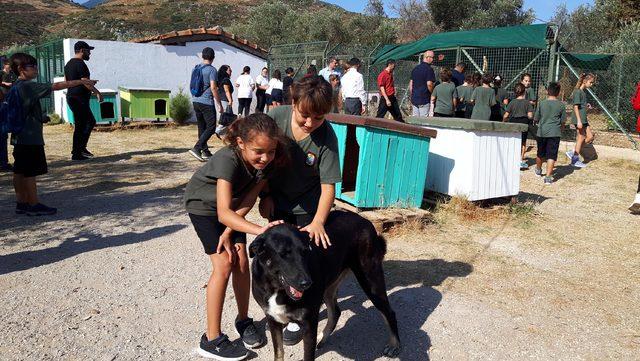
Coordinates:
(28,144)
(520,111)
(549,115)
(303,192)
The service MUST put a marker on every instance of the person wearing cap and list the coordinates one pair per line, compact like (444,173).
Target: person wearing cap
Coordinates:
(78,100)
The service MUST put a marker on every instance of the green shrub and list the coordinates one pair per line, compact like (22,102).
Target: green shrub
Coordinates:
(55,119)
(180,107)
(627,121)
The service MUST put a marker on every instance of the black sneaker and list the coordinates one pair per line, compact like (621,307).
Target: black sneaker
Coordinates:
(87,153)
(206,154)
(40,210)
(249,334)
(291,338)
(21,208)
(221,349)
(79,157)
(196,154)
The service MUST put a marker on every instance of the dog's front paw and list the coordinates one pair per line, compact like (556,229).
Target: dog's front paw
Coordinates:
(392,351)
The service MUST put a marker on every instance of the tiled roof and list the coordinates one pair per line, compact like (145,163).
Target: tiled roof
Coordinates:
(204,34)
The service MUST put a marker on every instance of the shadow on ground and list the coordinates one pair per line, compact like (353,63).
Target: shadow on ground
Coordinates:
(84,242)
(364,335)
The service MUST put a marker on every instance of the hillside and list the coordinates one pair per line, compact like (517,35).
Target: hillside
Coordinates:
(25,20)
(93,3)
(126,19)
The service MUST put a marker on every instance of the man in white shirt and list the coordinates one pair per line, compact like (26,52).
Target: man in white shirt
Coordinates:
(353,92)
(245,85)
(330,69)
(262,83)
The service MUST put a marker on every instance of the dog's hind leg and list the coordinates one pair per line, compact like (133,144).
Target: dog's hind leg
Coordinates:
(276,329)
(333,310)
(372,282)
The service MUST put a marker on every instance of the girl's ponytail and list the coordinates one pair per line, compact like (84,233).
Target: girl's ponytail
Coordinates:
(582,78)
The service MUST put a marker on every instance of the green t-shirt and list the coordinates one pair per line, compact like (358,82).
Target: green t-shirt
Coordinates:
(200,194)
(484,99)
(30,93)
(464,96)
(579,98)
(519,108)
(531,95)
(550,114)
(313,161)
(444,94)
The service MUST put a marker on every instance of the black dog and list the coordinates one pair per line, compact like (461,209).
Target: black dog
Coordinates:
(292,277)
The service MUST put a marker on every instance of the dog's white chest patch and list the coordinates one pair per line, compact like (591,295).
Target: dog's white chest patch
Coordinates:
(277,311)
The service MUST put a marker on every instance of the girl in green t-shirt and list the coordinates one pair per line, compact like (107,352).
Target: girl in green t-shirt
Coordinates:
(483,98)
(579,118)
(217,198)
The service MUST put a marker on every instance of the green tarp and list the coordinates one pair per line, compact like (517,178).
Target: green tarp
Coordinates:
(593,62)
(525,36)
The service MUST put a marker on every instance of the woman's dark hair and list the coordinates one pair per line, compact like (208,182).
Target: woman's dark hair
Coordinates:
(246,70)
(252,125)
(519,89)
(524,75)
(497,81)
(223,72)
(289,71)
(477,79)
(487,78)
(312,95)
(312,70)
(445,75)
(277,74)
(469,79)
(21,60)
(553,89)
(208,54)
(265,68)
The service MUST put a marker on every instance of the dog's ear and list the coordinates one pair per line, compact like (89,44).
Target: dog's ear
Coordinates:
(257,246)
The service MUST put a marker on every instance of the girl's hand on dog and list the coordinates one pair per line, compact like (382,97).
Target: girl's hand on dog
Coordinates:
(224,244)
(271,224)
(318,234)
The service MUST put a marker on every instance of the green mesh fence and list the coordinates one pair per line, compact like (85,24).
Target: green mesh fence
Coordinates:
(610,97)
(50,65)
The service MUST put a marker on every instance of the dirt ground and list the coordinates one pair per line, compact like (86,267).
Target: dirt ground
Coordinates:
(118,273)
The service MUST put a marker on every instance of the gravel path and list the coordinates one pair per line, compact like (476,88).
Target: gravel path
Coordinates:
(118,273)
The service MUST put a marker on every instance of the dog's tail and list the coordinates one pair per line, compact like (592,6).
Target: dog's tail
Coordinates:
(379,248)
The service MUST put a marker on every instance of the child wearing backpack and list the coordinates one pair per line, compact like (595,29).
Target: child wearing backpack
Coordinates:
(520,111)
(217,198)
(579,118)
(464,95)
(550,115)
(23,102)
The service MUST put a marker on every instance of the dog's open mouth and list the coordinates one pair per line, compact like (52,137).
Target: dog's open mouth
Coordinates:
(292,292)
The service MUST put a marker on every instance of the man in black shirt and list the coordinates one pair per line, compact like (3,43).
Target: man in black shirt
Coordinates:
(7,78)
(78,100)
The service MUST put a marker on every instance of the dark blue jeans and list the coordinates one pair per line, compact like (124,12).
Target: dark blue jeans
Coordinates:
(4,154)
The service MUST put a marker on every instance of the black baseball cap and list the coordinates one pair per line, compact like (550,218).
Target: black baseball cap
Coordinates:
(80,45)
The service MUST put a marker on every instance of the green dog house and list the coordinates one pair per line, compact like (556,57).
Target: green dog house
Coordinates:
(383,162)
(144,103)
(105,112)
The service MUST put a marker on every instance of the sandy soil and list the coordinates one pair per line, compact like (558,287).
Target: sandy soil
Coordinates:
(118,273)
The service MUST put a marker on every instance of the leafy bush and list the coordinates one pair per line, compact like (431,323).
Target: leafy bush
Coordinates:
(180,105)
(55,119)
(627,121)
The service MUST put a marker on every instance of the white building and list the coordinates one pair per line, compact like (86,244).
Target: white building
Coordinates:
(163,61)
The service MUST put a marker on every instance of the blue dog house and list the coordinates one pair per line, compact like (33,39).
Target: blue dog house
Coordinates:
(383,162)
(105,112)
